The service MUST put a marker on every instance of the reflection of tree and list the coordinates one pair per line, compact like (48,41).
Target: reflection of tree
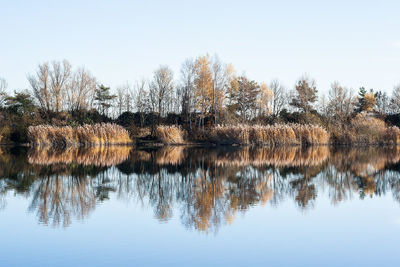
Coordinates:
(57,198)
(207,186)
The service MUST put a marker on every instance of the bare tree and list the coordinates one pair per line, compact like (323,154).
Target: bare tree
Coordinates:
(142,101)
(60,74)
(3,87)
(120,100)
(340,102)
(279,95)
(81,90)
(382,102)
(161,89)
(395,100)
(49,85)
(40,84)
(220,76)
(186,89)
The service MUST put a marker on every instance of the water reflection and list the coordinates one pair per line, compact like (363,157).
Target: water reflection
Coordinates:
(206,187)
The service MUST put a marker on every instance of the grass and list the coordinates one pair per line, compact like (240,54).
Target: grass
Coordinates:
(270,135)
(85,135)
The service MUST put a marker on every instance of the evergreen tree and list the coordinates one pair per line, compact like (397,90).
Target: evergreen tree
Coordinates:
(306,95)
(103,98)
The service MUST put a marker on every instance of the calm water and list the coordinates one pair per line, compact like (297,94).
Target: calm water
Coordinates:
(191,206)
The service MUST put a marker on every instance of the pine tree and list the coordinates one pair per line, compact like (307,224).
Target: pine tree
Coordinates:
(103,98)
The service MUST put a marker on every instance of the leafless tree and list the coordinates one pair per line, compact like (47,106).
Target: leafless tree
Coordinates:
(280,96)
(161,89)
(186,89)
(81,90)
(395,100)
(40,84)
(142,100)
(340,102)
(222,74)
(49,84)
(60,73)
(3,87)
(120,100)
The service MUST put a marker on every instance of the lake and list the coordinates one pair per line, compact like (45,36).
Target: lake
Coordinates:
(187,206)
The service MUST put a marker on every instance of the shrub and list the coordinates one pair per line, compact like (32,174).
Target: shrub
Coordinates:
(86,135)
(170,135)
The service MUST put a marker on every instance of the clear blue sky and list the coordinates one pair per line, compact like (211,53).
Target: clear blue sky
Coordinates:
(354,42)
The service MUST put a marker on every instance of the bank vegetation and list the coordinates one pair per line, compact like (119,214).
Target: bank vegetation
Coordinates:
(208,103)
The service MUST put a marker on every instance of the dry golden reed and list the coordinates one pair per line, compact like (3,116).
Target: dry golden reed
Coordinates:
(171,135)
(365,130)
(85,135)
(98,155)
(270,135)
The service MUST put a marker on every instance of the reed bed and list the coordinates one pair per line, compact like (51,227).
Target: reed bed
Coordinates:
(85,135)
(102,156)
(392,135)
(171,135)
(270,135)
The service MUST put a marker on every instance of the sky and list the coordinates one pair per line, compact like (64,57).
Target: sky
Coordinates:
(354,42)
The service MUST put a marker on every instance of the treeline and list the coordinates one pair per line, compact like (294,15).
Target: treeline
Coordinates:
(207,92)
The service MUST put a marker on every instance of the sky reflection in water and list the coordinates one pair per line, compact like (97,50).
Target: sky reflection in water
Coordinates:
(176,205)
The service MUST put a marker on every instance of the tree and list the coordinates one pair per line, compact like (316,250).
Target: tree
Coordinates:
(369,101)
(21,103)
(366,101)
(279,97)
(3,87)
(49,84)
(395,100)
(203,86)
(340,102)
(81,90)
(221,75)
(103,98)
(120,100)
(305,95)
(382,102)
(361,99)
(142,101)
(60,73)
(161,89)
(40,85)
(246,97)
(186,89)
(264,100)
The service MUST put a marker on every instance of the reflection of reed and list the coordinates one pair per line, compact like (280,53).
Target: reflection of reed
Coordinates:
(98,156)
(365,161)
(170,155)
(279,157)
